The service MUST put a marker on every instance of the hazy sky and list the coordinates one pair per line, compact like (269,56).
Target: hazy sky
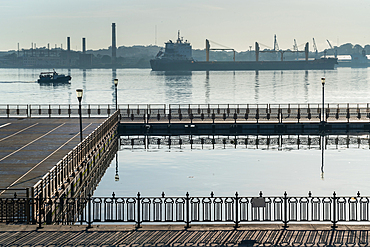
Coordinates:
(234,23)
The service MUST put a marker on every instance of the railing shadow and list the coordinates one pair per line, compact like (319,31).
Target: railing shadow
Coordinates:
(201,237)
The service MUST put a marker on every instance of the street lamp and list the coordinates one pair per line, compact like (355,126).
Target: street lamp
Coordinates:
(79,93)
(323,89)
(115,85)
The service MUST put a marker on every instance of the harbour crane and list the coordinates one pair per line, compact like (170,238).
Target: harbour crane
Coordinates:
(331,47)
(295,46)
(315,48)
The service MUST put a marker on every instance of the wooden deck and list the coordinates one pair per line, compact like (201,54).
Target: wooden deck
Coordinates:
(30,147)
(172,235)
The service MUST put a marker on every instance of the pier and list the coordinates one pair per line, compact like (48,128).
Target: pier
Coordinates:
(48,176)
(32,146)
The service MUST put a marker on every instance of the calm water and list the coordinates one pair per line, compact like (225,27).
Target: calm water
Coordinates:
(223,171)
(143,86)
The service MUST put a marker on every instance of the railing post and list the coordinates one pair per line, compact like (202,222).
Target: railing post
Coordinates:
(187,210)
(334,212)
(89,210)
(33,205)
(28,209)
(279,115)
(236,210)
(138,210)
(285,211)
(40,210)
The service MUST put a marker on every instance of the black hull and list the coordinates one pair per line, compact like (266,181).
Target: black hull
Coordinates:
(65,79)
(173,65)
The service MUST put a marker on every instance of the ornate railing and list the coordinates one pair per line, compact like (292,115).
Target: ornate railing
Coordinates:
(234,210)
(196,113)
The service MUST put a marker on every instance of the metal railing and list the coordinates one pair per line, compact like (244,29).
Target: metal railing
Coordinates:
(82,157)
(187,210)
(197,113)
(56,110)
(241,113)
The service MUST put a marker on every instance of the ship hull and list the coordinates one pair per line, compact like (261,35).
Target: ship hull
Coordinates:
(61,79)
(188,65)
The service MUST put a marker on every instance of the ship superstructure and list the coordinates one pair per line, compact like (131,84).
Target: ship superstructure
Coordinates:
(180,50)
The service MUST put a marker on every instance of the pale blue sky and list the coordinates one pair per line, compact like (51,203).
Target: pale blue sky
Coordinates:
(234,23)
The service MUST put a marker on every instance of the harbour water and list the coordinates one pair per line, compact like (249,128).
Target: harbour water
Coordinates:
(343,85)
(221,170)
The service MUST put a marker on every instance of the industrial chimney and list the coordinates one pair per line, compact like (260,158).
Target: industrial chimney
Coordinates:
(68,44)
(83,45)
(114,43)
(69,51)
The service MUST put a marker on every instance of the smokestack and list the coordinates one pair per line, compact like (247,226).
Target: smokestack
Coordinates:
(69,51)
(114,43)
(83,45)
(68,43)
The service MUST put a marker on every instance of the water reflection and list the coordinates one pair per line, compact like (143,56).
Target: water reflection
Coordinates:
(264,142)
(207,88)
(256,87)
(84,83)
(323,145)
(116,176)
(306,84)
(114,96)
(178,87)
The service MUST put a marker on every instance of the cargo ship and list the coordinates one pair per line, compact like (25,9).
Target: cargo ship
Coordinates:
(177,56)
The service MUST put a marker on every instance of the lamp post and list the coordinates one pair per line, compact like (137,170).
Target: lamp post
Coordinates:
(323,89)
(79,93)
(115,86)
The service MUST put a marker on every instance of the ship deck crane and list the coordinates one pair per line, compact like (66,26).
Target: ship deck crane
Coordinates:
(208,48)
(257,49)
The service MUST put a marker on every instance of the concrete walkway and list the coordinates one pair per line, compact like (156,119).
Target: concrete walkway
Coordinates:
(30,147)
(176,235)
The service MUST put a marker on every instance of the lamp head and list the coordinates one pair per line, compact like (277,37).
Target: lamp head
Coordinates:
(323,80)
(79,93)
(115,82)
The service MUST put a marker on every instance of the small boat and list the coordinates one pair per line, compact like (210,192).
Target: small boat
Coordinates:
(53,77)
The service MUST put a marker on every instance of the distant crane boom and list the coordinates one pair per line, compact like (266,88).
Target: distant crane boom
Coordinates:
(295,46)
(315,48)
(314,45)
(331,47)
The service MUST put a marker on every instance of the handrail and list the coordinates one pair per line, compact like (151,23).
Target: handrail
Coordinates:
(233,210)
(49,184)
(199,112)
